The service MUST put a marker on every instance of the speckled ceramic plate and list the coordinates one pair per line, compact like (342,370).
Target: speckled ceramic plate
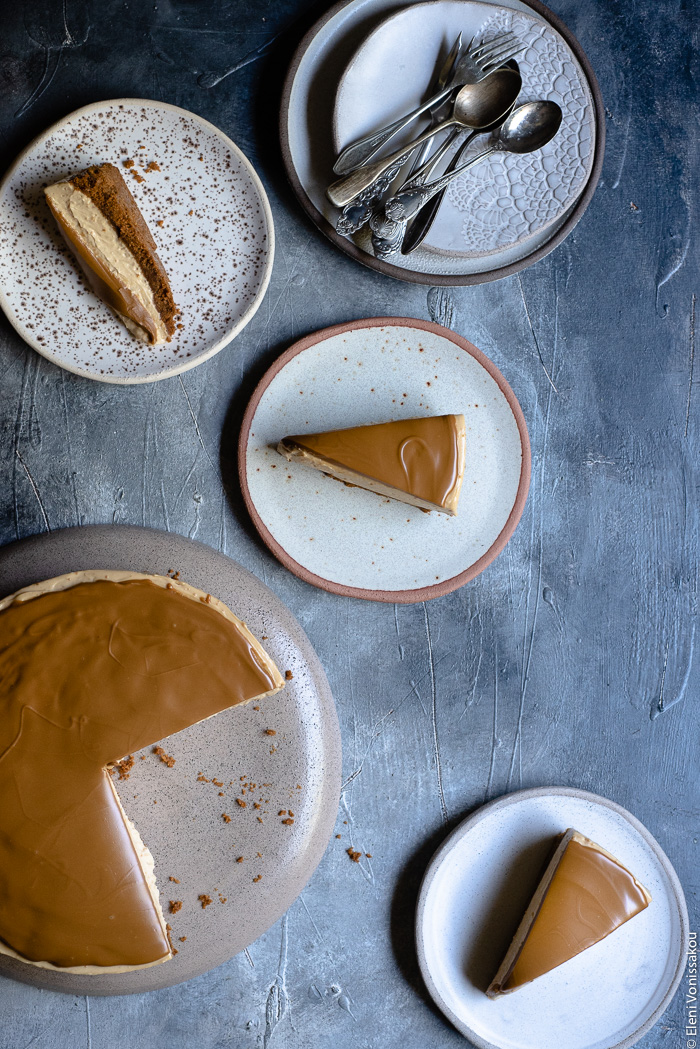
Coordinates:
(475,892)
(507,201)
(184,830)
(306,132)
(354,542)
(205,206)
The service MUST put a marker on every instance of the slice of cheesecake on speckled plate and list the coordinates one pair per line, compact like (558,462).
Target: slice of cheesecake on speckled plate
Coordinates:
(417,461)
(101,223)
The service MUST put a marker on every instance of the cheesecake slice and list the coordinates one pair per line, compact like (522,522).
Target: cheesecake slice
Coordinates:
(101,223)
(417,461)
(95,666)
(583,896)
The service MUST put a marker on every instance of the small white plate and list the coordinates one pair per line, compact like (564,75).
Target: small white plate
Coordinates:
(475,892)
(508,200)
(216,240)
(354,542)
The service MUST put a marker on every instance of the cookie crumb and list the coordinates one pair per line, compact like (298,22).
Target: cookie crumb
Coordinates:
(270,732)
(225,817)
(167,759)
(288,675)
(175,906)
(239,801)
(172,878)
(354,856)
(205,900)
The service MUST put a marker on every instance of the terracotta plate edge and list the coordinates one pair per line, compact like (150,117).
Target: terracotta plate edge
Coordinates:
(446,586)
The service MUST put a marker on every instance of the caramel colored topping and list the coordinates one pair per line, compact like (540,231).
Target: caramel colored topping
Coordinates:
(584,895)
(422,458)
(87,674)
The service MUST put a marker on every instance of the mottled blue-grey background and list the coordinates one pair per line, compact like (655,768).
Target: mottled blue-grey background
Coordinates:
(572,660)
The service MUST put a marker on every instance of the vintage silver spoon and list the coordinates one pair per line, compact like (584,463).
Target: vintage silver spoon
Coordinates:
(476,106)
(529,127)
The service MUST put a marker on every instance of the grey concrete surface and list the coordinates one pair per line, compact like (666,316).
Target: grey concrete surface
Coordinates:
(572,660)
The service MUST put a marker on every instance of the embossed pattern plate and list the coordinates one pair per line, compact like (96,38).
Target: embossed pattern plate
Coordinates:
(299,768)
(306,131)
(356,543)
(205,206)
(476,890)
(506,200)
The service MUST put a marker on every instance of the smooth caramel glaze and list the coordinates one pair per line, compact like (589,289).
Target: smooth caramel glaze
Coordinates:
(88,675)
(423,458)
(587,894)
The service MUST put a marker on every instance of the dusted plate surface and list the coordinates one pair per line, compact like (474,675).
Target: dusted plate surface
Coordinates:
(506,199)
(216,240)
(475,892)
(352,541)
(306,128)
(185,831)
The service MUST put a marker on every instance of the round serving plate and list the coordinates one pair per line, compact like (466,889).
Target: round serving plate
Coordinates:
(204,205)
(306,130)
(356,543)
(184,831)
(505,206)
(477,888)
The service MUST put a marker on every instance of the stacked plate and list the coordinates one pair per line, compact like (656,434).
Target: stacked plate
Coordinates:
(367,62)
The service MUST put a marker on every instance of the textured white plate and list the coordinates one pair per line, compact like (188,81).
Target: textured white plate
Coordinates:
(507,199)
(355,542)
(216,240)
(475,892)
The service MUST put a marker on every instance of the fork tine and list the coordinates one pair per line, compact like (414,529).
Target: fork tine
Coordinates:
(501,58)
(484,49)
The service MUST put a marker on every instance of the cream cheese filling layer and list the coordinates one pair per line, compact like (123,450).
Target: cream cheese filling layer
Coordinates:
(87,223)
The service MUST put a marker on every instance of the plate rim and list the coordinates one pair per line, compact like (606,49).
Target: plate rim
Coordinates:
(513,798)
(406,596)
(333,754)
(348,247)
(235,330)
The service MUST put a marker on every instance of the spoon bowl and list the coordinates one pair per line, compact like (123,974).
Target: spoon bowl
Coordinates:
(527,128)
(530,127)
(477,106)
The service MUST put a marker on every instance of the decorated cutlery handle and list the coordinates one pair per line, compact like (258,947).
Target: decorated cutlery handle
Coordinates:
(359,153)
(346,189)
(355,214)
(408,202)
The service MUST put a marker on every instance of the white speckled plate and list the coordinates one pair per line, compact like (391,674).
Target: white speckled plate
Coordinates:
(354,542)
(216,240)
(507,200)
(298,768)
(475,892)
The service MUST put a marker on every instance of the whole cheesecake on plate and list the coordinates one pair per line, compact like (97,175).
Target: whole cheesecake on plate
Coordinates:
(94,666)
(584,895)
(417,461)
(101,223)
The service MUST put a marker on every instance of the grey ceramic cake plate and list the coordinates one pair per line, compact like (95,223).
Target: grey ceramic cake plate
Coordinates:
(180,816)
